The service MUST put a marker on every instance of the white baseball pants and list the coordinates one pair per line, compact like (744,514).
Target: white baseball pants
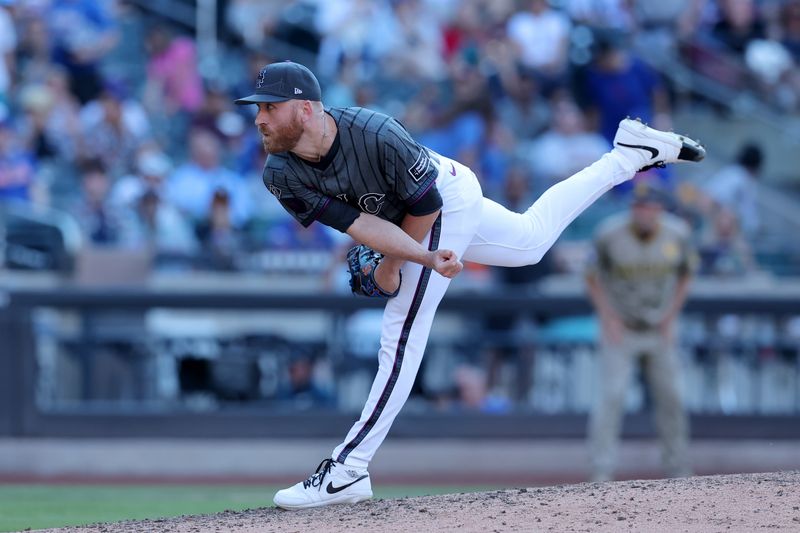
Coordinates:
(478,230)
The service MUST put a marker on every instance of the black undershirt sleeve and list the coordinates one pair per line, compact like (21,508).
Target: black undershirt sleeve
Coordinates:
(430,202)
(338,215)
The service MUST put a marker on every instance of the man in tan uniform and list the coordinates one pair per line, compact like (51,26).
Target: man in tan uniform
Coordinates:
(638,283)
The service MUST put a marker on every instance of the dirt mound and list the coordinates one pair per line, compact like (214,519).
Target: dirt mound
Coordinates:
(745,502)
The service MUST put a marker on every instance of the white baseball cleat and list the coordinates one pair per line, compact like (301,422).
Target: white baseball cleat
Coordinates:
(646,148)
(331,484)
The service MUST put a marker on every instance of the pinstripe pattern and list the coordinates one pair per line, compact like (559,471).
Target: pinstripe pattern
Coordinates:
(371,170)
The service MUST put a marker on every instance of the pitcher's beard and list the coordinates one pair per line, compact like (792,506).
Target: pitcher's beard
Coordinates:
(282,139)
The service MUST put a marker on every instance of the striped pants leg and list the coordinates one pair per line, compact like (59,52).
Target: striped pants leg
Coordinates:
(407,321)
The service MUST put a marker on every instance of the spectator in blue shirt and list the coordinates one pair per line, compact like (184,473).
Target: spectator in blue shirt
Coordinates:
(192,186)
(618,84)
(16,166)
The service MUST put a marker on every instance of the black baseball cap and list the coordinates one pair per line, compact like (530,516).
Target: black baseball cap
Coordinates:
(278,82)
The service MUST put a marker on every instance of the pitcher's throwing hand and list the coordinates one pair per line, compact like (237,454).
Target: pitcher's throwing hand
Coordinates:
(446,263)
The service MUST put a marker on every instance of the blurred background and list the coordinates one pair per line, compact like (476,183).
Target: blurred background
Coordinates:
(162,316)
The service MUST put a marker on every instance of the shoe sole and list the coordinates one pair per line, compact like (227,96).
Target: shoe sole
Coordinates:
(690,150)
(351,498)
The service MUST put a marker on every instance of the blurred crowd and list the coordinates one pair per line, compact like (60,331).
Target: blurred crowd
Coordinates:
(113,114)
(119,117)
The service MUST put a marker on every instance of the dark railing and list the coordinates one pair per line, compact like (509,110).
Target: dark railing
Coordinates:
(25,410)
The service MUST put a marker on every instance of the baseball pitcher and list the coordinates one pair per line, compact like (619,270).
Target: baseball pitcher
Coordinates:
(416,215)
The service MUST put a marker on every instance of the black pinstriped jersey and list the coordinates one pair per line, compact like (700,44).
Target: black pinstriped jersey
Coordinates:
(374,166)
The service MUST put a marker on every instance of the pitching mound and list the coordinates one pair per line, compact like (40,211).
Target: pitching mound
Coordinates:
(746,502)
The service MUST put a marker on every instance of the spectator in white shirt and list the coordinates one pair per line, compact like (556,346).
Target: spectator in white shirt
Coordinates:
(541,35)
(735,187)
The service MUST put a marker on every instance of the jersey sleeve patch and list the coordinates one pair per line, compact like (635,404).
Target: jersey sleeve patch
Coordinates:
(420,166)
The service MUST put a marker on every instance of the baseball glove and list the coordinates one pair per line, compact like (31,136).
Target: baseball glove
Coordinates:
(362,262)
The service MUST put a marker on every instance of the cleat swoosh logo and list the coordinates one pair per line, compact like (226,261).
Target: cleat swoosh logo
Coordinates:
(653,151)
(333,490)
(452,169)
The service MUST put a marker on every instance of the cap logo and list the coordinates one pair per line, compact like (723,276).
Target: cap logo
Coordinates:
(282,81)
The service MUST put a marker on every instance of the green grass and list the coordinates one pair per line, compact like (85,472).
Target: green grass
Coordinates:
(43,506)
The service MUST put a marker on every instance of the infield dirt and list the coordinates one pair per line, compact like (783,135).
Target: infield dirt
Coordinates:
(742,502)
